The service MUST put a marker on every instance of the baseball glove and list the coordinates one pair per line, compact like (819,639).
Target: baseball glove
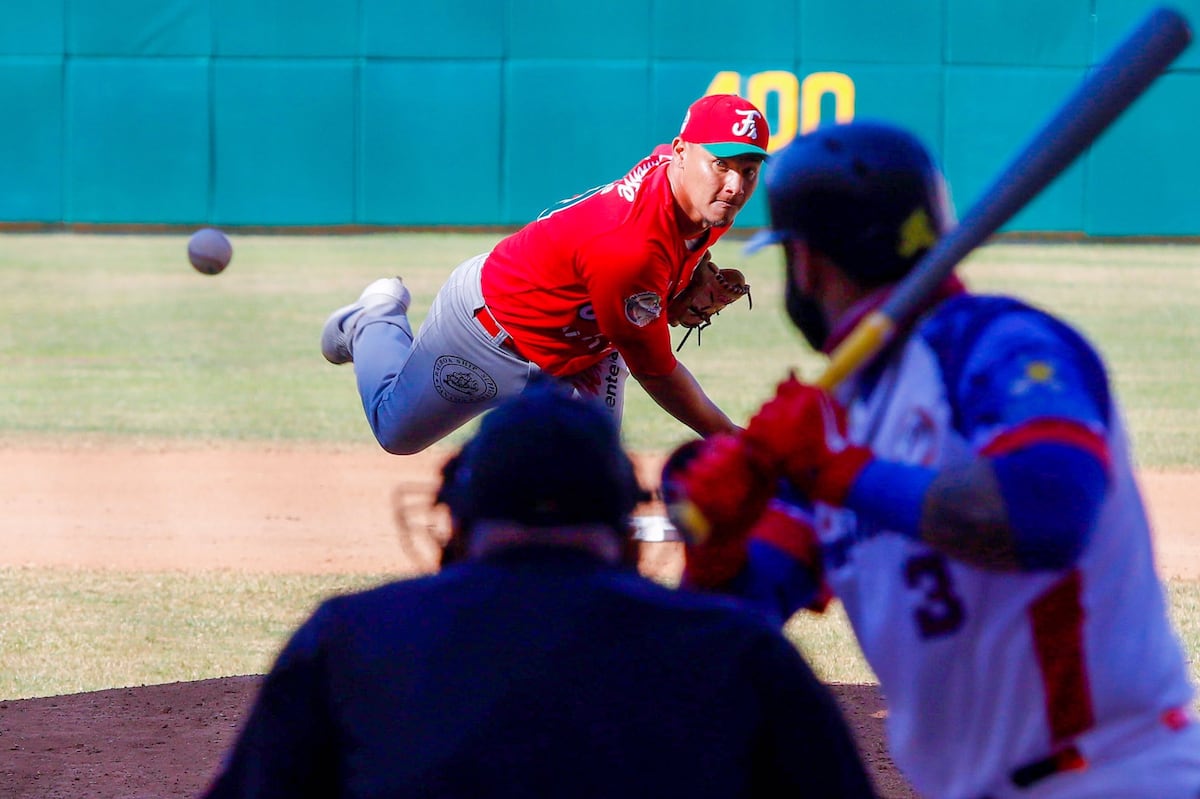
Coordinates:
(709,290)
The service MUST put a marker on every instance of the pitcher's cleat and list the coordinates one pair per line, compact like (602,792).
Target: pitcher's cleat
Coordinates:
(384,297)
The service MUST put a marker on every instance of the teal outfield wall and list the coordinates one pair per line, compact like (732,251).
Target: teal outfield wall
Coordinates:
(483,112)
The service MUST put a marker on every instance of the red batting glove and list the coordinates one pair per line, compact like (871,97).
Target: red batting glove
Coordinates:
(713,565)
(781,535)
(715,489)
(714,493)
(802,432)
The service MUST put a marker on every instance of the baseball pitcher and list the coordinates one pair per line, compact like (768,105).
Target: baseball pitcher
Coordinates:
(586,293)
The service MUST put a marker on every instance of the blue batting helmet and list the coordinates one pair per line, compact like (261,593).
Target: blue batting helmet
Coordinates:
(867,194)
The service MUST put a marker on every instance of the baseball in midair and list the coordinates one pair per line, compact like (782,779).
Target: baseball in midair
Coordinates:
(209,251)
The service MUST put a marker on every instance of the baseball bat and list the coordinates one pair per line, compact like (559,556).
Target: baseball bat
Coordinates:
(1108,90)
(1105,93)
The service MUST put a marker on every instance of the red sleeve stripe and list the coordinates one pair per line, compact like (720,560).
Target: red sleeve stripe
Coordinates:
(1056,431)
(1057,619)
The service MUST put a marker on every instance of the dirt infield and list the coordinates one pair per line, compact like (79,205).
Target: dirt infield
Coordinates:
(282,510)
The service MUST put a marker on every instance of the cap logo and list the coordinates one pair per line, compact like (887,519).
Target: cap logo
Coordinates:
(916,234)
(727,125)
(747,126)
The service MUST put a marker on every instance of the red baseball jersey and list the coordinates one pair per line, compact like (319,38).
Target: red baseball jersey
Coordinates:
(595,272)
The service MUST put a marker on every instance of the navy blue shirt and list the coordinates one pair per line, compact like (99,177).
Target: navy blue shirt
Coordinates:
(540,672)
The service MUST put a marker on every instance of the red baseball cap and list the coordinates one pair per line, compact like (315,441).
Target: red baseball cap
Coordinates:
(726,125)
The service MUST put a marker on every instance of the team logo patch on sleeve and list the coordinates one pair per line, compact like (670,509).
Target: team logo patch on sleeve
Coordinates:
(1039,375)
(643,308)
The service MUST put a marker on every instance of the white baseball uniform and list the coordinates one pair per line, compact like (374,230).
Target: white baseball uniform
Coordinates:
(1067,683)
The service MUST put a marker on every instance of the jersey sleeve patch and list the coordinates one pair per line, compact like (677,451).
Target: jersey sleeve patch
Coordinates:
(643,308)
(1025,368)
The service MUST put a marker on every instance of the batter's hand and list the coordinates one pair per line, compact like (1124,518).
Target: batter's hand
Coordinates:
(715,489)
(801,433)
(777,565)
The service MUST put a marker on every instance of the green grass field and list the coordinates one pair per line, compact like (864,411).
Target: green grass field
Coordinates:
(115,336)
(109,335)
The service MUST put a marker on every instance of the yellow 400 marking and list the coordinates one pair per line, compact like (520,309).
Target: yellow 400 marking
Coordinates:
(799,102)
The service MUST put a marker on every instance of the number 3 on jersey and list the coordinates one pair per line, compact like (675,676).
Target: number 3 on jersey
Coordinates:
(940,611)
